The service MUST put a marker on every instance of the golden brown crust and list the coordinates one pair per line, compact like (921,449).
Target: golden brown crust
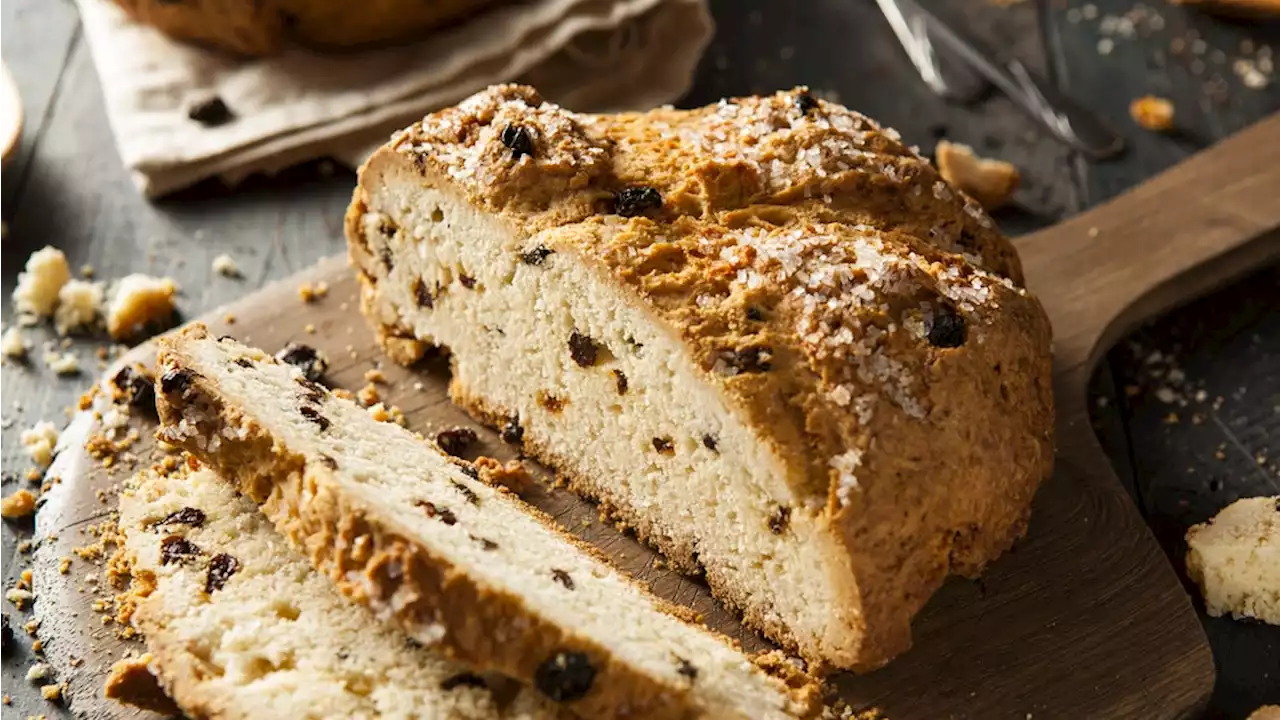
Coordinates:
(130,681)
(825,280)
(372,561)
(265,28)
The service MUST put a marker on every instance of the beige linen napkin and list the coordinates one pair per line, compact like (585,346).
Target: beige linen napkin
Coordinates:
(597,55)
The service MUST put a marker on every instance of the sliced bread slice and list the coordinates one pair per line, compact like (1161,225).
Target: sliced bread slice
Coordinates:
(458,564)
(800,360)
(239,625)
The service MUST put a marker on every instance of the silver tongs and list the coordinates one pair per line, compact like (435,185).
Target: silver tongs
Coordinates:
(958,68)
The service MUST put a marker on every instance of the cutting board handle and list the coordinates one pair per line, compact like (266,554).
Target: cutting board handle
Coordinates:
(1204,221)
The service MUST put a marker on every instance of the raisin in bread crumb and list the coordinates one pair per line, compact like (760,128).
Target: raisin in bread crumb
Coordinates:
(1235,559)
(237,621)
(455,562)
(806,315)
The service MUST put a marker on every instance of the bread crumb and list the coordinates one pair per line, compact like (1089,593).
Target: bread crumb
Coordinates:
(39,671)
(12,345)
(312,292)
(38,285)
(39,441)
(139,300)
(18,505)
(79,306)
(382,413)
(368,395)
(1235,559)
(52,693)
(62,363)
(226,266)
(1153,113)
(1266,712)
(514,475)
(309,329)
(130,681)
(374,375)
(990,182)
(19,597)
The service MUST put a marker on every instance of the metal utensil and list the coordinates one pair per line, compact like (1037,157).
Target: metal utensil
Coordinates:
(10,115)
(959,68)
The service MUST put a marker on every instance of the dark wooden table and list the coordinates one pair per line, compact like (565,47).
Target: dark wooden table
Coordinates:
(1181,462)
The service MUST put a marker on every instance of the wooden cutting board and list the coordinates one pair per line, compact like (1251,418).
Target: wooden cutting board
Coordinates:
(1085,618)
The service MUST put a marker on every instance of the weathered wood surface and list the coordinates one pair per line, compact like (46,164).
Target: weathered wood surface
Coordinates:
(66,187)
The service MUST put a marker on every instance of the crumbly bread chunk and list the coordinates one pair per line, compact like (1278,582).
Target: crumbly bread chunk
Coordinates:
(1153,113)
(1266,712)
(990,182)
(801,361)
(1235,559)
(38,284)
(139,300)
(12,344)
(267,27)
(79,305)
(418,536)
(239,624)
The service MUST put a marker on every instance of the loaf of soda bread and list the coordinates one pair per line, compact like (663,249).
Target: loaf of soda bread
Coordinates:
(238,624)
(265,27)
(459,565)
(764,333)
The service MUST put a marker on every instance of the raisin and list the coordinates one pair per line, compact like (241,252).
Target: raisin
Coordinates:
(467,281)
(176,380)
(709,442)
(434,511)
(176,548)
(140,391)
(485,543)
(620,380)
(186,516)
(221,567)
(749,360)
(947,330)
(464,679)
(536,255)
(562,577)
(328,462)
(6,635)
(244,362)
(313,414)
(456,441)
(312,362)
(583,349)
(550,403)
(779,520)
(1215,484)
(686,668)
(634,201)
(388,258)
(211,112)
(754,313)
(315,392)
(471,471)
(664,445)
(422,295)
(805,102)
(512,433)
(467,492)
(519,139)
(565,676)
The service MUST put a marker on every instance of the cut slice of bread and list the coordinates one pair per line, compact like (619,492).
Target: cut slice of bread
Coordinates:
(239,625)
(460,565)
(1235,559)
(764,333)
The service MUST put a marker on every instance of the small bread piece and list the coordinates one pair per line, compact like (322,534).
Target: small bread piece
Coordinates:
(1266,712)
(764,334)
(1235,559)
(990,182)
(238,623)
(458,564)
(1152,113)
